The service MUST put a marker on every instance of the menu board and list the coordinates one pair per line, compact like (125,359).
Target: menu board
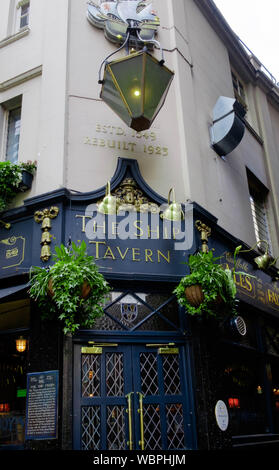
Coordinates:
(42,405)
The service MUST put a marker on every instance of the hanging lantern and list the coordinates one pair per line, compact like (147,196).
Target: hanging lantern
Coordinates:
(135,87)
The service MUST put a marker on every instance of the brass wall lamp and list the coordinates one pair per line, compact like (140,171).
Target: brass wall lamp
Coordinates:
(108,205)
(264,261)
(174,210)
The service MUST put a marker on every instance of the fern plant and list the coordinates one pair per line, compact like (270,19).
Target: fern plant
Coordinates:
(72,267)
(216,282)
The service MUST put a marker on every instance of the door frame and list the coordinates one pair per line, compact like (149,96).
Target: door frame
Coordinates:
(137,339)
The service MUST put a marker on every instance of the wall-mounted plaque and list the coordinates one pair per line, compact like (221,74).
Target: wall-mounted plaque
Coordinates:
(222,415)
(42,405)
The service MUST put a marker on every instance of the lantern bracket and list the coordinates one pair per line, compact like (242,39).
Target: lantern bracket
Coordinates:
(134,31)
(100,81)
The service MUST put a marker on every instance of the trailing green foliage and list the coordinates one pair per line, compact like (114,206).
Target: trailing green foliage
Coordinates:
(71,268)
(216,283)
(10,179)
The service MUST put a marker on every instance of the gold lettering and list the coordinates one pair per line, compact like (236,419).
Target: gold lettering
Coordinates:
(96,226)
(148,255)
(272,297)
(111,144)
(136,252)
(167,258)
(138,228)
(249,284)
(83,217)
(123,255)
(119,131)
(109,253)
(153,231)
(175,232)
(97,248)
(114,228)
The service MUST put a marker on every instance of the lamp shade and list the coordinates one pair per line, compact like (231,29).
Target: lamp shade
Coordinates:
(21,344)
(135,87)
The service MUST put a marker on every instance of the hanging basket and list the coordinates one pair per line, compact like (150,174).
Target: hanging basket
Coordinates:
(194,295)
(84,292)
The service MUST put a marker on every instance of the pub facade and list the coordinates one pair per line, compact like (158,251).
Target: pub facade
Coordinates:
(147,375)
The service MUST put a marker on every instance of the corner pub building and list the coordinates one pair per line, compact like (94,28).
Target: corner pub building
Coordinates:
(147,375)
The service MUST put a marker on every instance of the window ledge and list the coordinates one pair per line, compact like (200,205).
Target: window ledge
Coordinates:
(20,34)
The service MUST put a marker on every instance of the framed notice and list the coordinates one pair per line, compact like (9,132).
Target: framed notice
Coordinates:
(42,405)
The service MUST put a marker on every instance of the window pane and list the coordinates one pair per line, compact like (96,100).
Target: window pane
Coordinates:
(275,395)
(12,393)
(13,135)
(24,15)
(242,386)
(258,199)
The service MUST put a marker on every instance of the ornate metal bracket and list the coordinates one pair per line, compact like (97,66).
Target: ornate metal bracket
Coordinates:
(205,233)
(44,217)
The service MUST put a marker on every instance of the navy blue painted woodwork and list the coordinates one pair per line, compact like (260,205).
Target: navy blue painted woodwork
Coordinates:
(101,420)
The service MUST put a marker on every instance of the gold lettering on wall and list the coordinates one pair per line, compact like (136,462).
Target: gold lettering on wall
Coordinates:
(135,254)
(110,137)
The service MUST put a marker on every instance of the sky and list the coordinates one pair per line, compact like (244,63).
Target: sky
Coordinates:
(256,22)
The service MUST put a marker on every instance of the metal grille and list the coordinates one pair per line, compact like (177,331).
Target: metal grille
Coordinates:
(152,427)
(114,374)
(90,428)
(149,374)
(116,428)
(175,426)
(171,374)
(90,378)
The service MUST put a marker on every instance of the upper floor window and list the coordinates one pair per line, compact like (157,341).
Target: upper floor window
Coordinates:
(11,122)
(23,8)
(239,89)
(13,134)
(258,202)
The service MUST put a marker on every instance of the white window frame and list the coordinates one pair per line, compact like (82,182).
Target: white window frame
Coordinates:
(18,15)
(6,108)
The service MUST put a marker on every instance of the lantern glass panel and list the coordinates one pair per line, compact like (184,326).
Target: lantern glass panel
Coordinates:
(157,82)
(129,76)
(112,96)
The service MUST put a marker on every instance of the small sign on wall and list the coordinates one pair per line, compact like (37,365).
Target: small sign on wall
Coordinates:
(42,405)
(222,415)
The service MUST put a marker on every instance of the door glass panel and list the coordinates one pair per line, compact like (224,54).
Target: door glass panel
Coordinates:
(152,427)
(149,374)
(90,380)
(114,374)
(175,426)
(116,428)
(171,374)
(150,377)
(90,428)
